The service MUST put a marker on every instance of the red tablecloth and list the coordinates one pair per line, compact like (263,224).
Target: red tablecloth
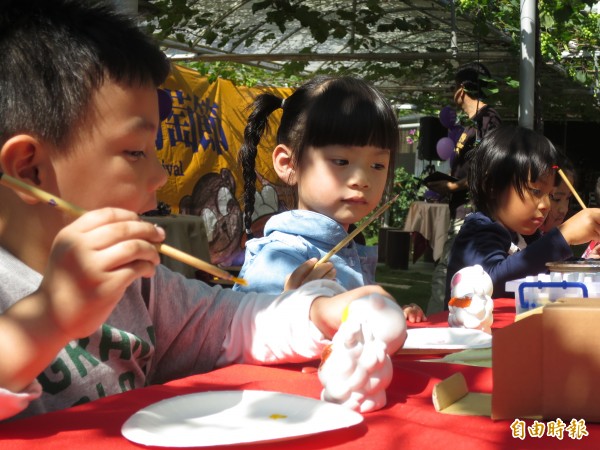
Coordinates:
(408,421)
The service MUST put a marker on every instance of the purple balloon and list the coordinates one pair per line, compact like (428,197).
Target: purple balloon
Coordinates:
(445,148)
(447,116)
(432,196)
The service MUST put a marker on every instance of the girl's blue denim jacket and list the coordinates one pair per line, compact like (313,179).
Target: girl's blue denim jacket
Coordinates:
(293,237)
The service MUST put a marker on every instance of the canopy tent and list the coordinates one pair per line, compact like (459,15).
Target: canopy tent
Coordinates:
(408,48)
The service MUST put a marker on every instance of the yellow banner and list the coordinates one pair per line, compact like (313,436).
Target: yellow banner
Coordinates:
(198,146)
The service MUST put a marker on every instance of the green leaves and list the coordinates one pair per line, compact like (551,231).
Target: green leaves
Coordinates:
(566,26)
(581,76)
(569,34)
(245,75)
(512,82)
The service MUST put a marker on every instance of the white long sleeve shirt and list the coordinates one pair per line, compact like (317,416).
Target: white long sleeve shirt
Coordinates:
(168,328)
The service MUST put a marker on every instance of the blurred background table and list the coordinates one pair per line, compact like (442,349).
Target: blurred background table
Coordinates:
(431,221)
(185,233)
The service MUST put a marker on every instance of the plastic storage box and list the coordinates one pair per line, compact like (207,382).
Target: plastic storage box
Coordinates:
(535,291)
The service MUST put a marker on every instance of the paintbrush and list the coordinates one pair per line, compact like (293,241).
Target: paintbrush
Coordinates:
(583,206)
(358,229)
(76,211)
(570,186)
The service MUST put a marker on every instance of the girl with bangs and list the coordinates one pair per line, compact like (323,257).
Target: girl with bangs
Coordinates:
(335,147)
(511,181)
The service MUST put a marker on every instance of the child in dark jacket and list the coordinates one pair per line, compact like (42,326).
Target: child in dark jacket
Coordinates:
(511,178)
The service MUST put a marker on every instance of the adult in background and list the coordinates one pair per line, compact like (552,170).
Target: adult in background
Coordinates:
(470,85)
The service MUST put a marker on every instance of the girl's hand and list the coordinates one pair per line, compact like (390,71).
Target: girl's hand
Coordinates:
(306,272)
(413,313)
(92,261)
(583,227)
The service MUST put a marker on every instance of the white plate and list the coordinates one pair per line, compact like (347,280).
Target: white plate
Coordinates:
(234,417)
(446,338)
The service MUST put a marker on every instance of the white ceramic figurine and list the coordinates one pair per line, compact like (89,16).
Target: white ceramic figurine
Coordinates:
(356,368)
(471,304)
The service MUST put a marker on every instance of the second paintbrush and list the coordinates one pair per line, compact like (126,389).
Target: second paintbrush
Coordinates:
(354,233)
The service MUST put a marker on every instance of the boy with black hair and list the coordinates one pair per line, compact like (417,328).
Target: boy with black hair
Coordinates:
(79,113)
